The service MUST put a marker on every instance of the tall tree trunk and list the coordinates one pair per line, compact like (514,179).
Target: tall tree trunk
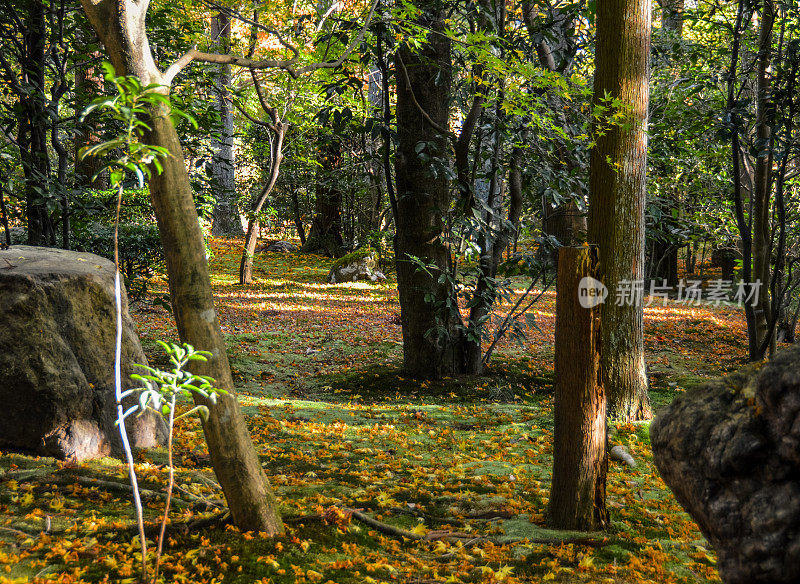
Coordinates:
(738,173)
(580,461)
(120,24)
(432,345)
(762,184)
(33,124)
(617,189)
(223,165)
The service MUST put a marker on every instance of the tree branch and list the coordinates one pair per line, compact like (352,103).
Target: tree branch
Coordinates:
(287,65)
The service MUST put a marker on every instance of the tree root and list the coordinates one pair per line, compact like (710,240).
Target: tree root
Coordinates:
(467,539)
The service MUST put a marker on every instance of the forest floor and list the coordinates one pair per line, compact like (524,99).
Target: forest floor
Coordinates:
(317,368)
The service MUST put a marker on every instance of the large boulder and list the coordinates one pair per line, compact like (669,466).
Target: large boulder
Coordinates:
(57,337)
(730,451)
(359,265)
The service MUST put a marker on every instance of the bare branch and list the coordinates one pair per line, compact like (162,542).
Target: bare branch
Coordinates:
(271,111)
(287,65)
(178,65)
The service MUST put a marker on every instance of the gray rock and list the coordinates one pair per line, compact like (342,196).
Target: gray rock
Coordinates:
(730,451)
(280,247)
(57,354)
(361,268)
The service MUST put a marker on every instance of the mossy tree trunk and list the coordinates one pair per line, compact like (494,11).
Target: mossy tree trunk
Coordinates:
(433,344)
(617,194)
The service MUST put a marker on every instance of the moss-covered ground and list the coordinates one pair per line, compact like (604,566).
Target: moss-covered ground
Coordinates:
(338,426)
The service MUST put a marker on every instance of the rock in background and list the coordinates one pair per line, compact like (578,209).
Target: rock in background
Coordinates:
(57,334)
(279,247)
(730,451)
(359,265)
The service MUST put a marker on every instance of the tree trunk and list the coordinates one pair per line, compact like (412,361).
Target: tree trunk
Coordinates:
(762,235)
(223,165)
(580,461)
(32,126)
(672,16)
(325,234)
(617,188)
(432,337)
(120,24)
(298,218)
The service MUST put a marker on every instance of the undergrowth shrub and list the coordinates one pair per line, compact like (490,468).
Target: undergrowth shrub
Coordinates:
(140,253)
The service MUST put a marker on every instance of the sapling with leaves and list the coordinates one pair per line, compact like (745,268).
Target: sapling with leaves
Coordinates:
(128,108)
(162,389)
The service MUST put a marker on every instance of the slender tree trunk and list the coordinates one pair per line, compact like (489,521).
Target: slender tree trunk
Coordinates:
(762,185)
(4,217)
(253,227)
(223,165)
(580,461)
(617,197)
(432,341)
(120,24)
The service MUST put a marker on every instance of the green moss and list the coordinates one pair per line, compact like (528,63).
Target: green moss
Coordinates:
(352,257)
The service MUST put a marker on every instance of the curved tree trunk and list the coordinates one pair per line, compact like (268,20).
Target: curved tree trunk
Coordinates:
(250,240)
(120,24)
(617,197)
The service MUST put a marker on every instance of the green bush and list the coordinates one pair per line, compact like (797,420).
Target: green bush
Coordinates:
(140,253)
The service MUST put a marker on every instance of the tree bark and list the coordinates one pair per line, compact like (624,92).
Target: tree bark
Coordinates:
(762,185)
(580,460)
(432,341)
(120,24)
(223,165)
(617,196)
